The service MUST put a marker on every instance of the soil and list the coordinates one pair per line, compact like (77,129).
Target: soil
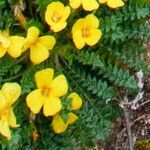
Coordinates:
(139,121)
(140,126)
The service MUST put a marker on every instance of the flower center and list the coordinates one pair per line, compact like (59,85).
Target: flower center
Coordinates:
(45,91)
(85,32)
(56,18)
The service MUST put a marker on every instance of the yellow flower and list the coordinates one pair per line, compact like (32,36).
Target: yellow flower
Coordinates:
(8,95)
(56,15)
(39,46)
(113,3)
(11,44)
(48,93)
(76,101)
(85,31)
(58,123)
(88,5)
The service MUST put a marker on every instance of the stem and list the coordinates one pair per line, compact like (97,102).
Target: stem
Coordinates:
(127,122)
(128,127)
(56,59)
(22,58)
(12,78)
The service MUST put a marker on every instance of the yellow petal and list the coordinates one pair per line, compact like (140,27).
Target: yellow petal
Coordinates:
(115,3)
(11,92)
(94,37)
(79,25)
(55,7)
(2,98)
(4,44)
(58,6)
(32,36)
(35,101)
(5,41)
(56,27)
(92,21)
(2,50)
(12,119)
(76,101)
(38,53)
(50,11)
(58,124)
(48,41)
(16,46)
(90,5)
(52,105)
(71,118)
(66,13)
(44,77)
(102,1)
(4,128)
(3,103)
(78,39)
(59,86)
(75,3)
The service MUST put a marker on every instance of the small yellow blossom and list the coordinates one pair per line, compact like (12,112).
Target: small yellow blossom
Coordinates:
(35,135)
(56,15)
(85,31)
(9,93)
(76,101)
(48,93)
(11,44)
(58,123)
(21,18)
(39,46)
(112,3)
(88,5)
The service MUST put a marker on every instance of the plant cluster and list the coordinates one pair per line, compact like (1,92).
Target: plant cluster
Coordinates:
(95,47)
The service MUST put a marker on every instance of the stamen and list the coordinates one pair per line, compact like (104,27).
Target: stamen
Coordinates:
(45,92)
(56,18)
(85,32)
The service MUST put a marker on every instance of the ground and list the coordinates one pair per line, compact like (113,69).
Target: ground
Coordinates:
(139,121)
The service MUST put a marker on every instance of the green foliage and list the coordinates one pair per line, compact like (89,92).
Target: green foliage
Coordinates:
(94,72)
(91,84)
(114,74)
(6,63)
(35,23)
(6,16)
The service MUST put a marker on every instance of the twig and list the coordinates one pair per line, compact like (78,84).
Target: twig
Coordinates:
(12,78)
(118,137)
(143,104)
(127,123)
(128,127)
(124,129)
